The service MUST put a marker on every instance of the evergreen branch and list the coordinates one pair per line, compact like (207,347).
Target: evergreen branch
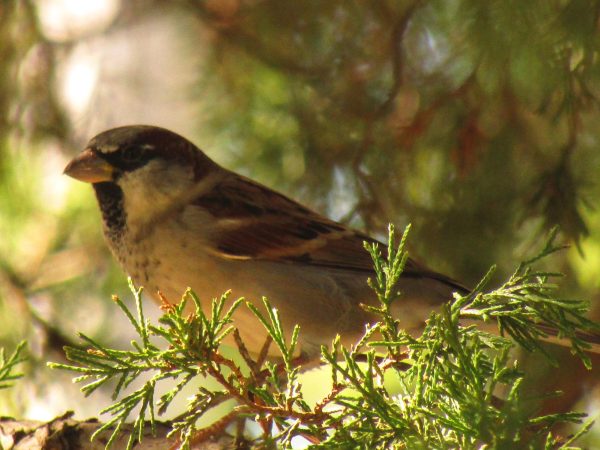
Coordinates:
(7,365)
(525,307)
(448,377)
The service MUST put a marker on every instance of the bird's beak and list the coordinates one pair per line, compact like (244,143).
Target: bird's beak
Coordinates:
(89,167)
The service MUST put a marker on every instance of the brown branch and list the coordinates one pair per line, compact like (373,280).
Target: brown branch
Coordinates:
(234,34)
(215,429)
(262,355)
(64,432)
(249,405)
(396,41)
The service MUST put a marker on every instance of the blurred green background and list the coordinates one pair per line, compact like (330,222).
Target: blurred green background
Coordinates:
(476,121)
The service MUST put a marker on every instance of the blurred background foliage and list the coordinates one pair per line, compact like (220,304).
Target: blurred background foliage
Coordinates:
(477,121)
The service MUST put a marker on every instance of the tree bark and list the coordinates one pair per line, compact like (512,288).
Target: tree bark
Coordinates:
(64,433)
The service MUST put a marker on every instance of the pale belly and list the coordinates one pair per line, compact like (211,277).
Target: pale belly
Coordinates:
(323,301)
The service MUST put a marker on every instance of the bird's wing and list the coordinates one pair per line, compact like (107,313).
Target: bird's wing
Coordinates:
(255,222)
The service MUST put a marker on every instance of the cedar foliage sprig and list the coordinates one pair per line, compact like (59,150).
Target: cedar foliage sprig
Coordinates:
(456,386)
(8,365)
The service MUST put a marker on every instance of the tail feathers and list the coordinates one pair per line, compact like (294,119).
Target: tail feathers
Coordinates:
(590,338)
(445,284)
(593,339)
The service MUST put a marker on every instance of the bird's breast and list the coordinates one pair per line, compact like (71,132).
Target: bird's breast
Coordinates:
(172,257)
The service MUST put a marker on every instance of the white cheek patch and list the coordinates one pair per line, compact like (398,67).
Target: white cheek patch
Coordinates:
(150,188)
(152,192)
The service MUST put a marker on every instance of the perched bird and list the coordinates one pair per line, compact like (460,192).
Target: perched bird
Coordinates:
(174,218)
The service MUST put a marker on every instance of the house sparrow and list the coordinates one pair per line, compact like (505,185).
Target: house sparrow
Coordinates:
(174,218)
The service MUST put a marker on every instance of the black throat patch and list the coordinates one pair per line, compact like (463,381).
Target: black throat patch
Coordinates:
(110,199)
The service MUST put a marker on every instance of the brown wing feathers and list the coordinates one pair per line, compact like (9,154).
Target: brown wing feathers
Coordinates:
(258,223)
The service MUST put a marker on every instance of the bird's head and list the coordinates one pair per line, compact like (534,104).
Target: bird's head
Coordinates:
(137,170)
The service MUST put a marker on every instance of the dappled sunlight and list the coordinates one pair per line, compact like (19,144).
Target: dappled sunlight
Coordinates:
(477,122)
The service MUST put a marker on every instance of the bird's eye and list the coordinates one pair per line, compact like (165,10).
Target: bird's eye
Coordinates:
(131,154)
(128,158)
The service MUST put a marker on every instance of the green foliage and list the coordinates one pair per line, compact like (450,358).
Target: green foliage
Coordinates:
(530,296)
(478,121)
(495,92)
(458,386)
(7,365)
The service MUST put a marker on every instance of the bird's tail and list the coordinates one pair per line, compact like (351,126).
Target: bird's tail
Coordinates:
(588,337)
